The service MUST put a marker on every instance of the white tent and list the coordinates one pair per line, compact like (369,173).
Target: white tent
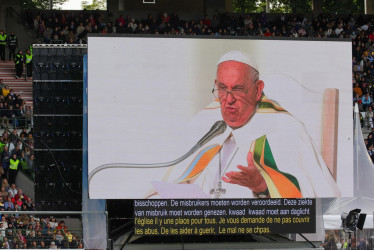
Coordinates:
(363,185)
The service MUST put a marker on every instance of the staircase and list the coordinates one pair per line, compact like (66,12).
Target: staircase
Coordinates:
(20,86)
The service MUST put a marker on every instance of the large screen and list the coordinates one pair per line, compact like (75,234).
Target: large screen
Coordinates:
(150,101)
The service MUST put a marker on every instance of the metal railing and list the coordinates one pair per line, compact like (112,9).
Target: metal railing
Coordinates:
(12,120)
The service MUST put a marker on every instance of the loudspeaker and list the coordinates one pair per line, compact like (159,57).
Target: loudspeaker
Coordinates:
(58,117)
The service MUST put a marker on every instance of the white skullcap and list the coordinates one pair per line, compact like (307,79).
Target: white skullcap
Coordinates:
(239,56)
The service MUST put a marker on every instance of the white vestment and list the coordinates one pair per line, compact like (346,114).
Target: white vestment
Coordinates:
(291,147)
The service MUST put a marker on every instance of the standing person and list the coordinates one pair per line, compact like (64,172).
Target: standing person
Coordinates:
(5,91)
(366,101)
(19,60)
(13,168)
(370,116)
(28,58)
(12,45)
(2,85)
(3,39)
(5,156)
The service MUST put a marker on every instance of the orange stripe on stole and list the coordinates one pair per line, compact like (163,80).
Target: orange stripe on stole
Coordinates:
(285,187)
(201,164)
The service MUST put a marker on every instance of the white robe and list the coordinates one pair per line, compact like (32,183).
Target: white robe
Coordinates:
(291,146)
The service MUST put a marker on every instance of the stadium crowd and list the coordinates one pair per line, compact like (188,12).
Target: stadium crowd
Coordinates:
(61,27)
(73,27)
(15,147)
(22,231)
(13,108)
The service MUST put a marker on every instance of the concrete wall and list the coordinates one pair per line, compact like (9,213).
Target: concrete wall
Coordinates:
(169,5)
(317,7)
(4,4)
(185,8)
(27,185)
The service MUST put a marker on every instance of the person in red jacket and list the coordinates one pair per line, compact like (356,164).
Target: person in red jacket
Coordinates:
(371,36)
(165,18)
(61,226)
(21,195)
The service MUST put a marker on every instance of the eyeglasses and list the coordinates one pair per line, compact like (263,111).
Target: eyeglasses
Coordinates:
(237,93)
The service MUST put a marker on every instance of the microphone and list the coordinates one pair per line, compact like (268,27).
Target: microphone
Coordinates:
(218,128)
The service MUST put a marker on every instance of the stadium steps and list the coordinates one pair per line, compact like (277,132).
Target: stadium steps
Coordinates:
(20,86)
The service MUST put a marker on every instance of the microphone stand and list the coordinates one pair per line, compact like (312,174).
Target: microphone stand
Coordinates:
(134,165)
(218,128)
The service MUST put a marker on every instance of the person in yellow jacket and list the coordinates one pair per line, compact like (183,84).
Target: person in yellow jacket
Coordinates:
(6,91)
(3,43)
(19,61)
(28,61)
(69,236)
(13,168)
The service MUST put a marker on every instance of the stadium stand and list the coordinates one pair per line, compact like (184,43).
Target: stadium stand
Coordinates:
(63,27)
(72,28)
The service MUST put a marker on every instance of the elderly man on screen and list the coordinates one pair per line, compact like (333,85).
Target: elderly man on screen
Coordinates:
(264,152)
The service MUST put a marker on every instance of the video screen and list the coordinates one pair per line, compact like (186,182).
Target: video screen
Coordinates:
(201,118)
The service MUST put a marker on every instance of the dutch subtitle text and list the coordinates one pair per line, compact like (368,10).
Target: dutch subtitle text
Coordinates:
(215,217)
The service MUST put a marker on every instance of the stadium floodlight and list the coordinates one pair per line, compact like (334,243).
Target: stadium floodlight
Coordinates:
(352,220)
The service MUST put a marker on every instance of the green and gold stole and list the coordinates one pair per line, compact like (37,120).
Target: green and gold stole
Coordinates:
(280,184)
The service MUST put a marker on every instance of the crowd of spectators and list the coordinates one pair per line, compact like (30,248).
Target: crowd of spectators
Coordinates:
(59,28)
(13,109)
(363,78)
(16,152)
(73,27)
(16,147)
(23,231)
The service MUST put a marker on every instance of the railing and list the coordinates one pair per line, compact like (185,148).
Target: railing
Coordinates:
(10,117)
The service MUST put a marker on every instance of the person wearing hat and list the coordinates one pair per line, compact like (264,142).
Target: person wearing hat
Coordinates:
(264,151)
(53,245)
